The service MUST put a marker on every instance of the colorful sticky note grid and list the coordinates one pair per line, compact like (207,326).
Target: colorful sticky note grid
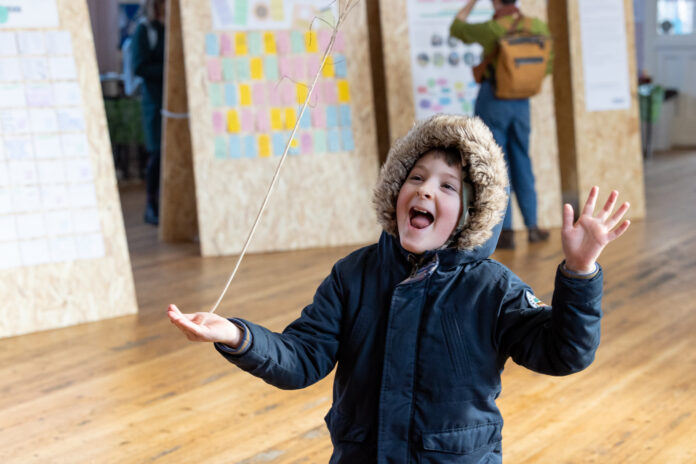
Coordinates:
(264,142)
(241,69)
(277,10)
(258,93)
(324,37)
(297,42)
(320,145)
(216,95)
(306,143)
(290,118)
(329,92)
(331,116)
(233,124)
(283,42)
(340,43)
(276,119)
(235,146)
(255,43)
(346,119)
(247,119)
(227,69)
(241,46)
(340,68)
(214,70)
(231,94)
(334,139)
(343,91)
(347,139)
(256,65)
(226,48)
(279,141)
(245,95)
(294,147)
(306,120)
(302,92)
(263,120)
(250,150)
(240,12)
(311,42)
(319,117)
(270,68)
(269,43)
(328,70)
(218,122)
(220,148)
(313,64)
(211,45)
(274,93)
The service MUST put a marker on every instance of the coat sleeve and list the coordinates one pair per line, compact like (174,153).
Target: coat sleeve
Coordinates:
(143,58)
(559,339)
(307,349)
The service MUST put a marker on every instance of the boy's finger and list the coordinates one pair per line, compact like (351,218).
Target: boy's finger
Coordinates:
(618,214)
(567,217)
(591,201)
(609,205)
(616,233)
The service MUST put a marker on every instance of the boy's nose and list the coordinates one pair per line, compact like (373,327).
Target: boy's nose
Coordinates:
(424,192)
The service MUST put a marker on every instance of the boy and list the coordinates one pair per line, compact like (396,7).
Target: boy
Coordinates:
(422,322)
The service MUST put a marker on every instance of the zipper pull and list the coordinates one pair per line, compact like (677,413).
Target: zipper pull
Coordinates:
(415,263)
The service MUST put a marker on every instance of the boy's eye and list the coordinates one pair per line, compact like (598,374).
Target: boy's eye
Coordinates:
(416,177)
(449,187)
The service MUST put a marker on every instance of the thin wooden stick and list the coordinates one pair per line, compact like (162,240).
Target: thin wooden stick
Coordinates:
(341,17)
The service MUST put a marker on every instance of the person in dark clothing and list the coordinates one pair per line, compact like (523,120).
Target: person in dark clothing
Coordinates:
(420,325)
(148,63)
(509,120)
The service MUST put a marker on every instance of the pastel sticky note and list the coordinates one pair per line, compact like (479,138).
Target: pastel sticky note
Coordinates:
(347,139)
(245,95)
(340,67)
(218,122)
(258,94)
(214,69)
(297,42)
(226,48)
(313,63)
(340,43)
(278,143)
(299,70)
(230,94)
(320,141)
(255,43)
(345,116)
(216,95)
(331,116)
(273,89)
(263,120)
(343,91)
(264,143)
(256,65)
(319,117)
(233,123)
(249,146)
(311,41)
(294,147)
(285,66)
(328,69)
(324,37)
(306,142)
(306,120)
(240,12)
(302,92)
(329,92)
(276,119)
(227,69)
(247,119)
(220,148)
(241,69)
(287,93)
(211,45)
(270,67)
(235,148)
(269,43)
(290,118)
(282,39)
(241,47)
(334,140)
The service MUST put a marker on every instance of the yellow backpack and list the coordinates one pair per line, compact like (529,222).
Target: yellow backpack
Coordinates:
(521,59)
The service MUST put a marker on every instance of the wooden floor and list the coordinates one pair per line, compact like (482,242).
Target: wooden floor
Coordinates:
(133,390)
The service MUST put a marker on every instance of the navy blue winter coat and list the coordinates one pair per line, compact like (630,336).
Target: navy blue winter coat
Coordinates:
(420,344)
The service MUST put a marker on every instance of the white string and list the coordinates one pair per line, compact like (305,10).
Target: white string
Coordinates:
(172,115)
(342,15)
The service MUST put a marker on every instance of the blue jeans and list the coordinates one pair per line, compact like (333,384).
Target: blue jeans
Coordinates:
(508,120)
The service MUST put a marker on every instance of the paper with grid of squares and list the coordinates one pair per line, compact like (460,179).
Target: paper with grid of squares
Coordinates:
(48,201)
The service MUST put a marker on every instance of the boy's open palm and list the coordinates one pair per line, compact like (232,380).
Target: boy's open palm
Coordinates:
(204,327)
(584,241)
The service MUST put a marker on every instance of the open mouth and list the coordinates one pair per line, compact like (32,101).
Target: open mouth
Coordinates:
(420,218)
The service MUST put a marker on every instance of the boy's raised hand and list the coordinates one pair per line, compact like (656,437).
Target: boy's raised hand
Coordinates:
(205,327)
(584,241)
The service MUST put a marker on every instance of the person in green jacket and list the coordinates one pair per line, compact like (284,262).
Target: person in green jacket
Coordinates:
(148,63)
(508,119)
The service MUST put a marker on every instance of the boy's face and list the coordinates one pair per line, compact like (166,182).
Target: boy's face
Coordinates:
(429,204)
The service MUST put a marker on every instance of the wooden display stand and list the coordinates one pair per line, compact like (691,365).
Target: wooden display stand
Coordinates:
(63,253)
(597,147)
(401,106)
(216,183)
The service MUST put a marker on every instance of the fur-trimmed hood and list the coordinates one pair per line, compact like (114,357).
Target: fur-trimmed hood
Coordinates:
(483,165)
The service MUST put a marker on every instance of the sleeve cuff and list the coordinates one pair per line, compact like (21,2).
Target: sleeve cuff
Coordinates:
(245,343)
(577,275)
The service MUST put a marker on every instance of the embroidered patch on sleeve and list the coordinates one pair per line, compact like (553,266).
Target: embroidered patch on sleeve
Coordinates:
(533,300)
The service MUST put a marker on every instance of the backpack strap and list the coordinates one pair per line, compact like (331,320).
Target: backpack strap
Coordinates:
(510,25)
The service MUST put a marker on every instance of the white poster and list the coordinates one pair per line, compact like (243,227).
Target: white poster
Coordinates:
(28,13)
(271,14)
(441,66)
(604,55)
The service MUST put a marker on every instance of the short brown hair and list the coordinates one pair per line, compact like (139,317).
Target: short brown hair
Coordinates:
(450,155)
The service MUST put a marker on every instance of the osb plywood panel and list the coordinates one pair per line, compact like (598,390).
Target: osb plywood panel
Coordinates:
(56,295)
(178,220)
(608,146)
(401,110)
(320,200)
